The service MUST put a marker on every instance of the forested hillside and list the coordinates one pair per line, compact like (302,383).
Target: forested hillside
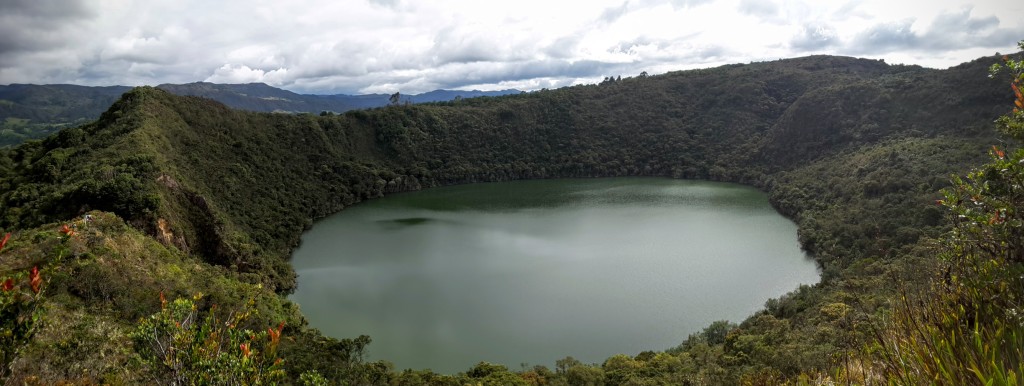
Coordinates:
(853,150)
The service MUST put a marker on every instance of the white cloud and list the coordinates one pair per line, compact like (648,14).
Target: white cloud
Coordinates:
(243,74)
(413,46)
(163,48)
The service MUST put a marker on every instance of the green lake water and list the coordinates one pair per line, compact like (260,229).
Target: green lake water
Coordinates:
(534,271)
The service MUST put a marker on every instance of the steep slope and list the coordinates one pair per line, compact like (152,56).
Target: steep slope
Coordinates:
(853,150)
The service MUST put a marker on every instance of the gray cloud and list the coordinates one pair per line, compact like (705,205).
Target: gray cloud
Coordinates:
(656,50)
(678,4)
(386,3)
(389,45)
(564,47)
(886,37)
(453,45)
(848,10)
(949,31)
(813,37)
(958,29)
(157,49)
(611,14)
(614,13)
(759,8)
(29,25)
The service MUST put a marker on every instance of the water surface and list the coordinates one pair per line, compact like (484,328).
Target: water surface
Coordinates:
(534,271)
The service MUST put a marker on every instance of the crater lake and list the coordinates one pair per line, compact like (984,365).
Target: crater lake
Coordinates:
(534,271)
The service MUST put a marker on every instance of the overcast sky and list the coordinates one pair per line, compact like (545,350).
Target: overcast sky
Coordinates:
(382,46)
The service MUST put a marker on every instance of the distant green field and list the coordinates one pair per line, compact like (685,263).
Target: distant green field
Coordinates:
(12,121)
(14,131)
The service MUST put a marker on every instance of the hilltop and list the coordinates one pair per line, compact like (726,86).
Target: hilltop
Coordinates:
(853,150)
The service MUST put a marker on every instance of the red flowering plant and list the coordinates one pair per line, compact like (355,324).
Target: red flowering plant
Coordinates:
(20,295)
(67,230)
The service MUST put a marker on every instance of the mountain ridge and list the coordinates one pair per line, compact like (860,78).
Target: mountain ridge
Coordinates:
(555,124)
(238,96)
(30,111)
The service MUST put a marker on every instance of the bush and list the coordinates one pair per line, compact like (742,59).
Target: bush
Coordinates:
(186,350)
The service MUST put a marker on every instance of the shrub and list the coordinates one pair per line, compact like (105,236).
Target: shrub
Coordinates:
(184,347)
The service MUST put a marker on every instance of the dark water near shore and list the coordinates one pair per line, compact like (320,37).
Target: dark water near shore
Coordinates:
(534,271)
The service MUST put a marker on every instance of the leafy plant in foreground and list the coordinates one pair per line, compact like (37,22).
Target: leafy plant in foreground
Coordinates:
(21,296)
(970,328)
(186,347)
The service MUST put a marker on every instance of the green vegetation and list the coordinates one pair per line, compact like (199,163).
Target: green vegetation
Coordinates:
(19,310)
(213,200)
(99,279)
(187,349)
(29,112)
(968,328)
(14,131)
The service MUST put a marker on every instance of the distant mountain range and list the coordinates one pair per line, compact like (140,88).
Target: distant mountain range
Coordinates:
(261,97)
(29,111)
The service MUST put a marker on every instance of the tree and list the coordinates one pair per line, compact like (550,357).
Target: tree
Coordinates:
(563,365)
(395,98)
(487,374)
(716,332)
